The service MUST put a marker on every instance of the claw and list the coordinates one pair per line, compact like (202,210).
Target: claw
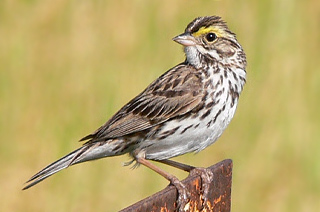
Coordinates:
(183,195)
(206,176)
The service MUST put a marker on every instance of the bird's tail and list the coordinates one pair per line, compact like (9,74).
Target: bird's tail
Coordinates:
(89,151)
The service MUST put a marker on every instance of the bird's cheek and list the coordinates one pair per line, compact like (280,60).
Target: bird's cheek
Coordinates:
(225,50)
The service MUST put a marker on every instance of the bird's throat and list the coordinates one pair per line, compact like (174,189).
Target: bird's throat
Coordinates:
(193,56)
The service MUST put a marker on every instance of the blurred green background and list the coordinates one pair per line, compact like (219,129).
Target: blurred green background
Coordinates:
(67,66)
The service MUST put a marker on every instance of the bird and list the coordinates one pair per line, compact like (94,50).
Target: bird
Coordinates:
(184,110)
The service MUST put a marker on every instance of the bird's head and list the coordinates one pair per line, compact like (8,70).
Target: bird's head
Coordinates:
(208,38)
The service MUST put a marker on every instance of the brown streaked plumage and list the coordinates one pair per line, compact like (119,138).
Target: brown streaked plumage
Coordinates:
(184,110)
(173,94)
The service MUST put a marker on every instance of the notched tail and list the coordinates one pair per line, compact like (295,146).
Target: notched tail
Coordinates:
(53,168)
(90,151)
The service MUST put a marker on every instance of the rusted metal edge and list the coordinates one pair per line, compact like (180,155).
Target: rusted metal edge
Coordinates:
(219,194)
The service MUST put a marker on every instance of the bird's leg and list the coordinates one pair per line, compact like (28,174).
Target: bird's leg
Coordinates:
(183,194)
(177,165)
(206,175)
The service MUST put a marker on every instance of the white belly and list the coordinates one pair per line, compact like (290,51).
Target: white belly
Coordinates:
(193,139)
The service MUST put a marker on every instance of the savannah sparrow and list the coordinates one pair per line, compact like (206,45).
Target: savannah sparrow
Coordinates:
(184,110)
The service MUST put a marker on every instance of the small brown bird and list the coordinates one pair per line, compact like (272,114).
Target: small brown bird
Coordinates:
(184,110)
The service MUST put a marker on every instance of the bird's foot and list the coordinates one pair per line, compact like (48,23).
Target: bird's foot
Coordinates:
(183,195)
(206,176)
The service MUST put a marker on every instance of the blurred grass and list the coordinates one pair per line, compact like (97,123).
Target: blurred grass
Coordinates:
(66,66)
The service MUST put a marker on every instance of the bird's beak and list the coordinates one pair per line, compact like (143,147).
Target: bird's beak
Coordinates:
(185,39)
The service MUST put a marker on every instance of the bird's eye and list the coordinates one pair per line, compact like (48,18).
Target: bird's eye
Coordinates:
(211,37)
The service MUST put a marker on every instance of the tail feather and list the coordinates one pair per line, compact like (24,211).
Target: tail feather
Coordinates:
(85,153)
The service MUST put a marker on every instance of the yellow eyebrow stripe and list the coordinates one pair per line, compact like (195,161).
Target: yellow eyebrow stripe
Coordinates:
(204,30)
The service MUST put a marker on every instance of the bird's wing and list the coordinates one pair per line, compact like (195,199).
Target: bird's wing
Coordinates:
(177,92)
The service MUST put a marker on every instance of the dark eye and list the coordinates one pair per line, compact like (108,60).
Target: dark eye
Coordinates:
(211,37)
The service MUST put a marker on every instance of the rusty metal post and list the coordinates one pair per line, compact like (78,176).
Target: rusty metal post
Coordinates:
(219,195)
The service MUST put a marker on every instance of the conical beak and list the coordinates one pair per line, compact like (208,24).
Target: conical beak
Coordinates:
(185,39)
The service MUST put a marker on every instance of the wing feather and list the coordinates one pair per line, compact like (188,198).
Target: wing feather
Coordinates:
(178,91)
